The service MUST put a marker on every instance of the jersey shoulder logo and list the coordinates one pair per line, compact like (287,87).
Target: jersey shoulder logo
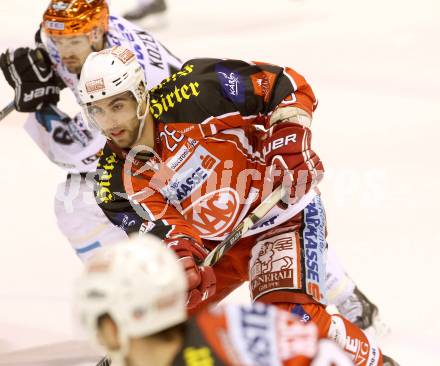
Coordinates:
(231,84)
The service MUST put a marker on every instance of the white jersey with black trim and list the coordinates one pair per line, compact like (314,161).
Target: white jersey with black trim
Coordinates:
(74,147)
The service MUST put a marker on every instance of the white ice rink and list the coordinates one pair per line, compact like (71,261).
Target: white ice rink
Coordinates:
(375,67)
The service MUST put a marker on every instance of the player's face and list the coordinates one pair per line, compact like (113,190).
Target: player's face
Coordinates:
(117,118)
(73,51)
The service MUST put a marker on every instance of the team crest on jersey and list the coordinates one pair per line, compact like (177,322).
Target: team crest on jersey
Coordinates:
(213,213)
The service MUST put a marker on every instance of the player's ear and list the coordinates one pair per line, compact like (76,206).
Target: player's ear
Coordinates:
(108,332)
(143,105)
(96,38)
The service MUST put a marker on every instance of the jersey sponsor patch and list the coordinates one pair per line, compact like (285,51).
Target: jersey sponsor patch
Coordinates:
(213,213)
(165,102)
(275,264)
(192,174)
(146,227)
(263,83)
(299,311)
(315,248)
(359,351)
(126,220)
(175,161)
(231,83)
(359,346)
(253,333)
(105,168)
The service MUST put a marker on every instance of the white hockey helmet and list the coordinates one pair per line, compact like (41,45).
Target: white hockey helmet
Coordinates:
(139,283)
(108,73)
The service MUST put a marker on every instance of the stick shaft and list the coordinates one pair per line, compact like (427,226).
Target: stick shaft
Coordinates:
(8,109)
(235,235)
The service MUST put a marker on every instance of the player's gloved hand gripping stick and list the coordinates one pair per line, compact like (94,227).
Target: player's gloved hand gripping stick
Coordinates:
(29,71)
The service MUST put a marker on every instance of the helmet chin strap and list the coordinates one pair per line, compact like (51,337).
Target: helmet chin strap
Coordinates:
(142,117)
(93,37)
(140,130)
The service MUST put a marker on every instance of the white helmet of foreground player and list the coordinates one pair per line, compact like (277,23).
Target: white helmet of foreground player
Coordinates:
(139,284)
(113,93)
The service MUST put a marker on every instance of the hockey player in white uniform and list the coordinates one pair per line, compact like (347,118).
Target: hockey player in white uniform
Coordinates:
(70,31)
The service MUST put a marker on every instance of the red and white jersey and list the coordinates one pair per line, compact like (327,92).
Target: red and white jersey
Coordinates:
(208,120)
(255,335)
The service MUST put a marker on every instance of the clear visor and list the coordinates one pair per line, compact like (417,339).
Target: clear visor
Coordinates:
(113,112)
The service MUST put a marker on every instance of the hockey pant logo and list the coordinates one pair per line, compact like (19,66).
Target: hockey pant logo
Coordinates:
(275,265)
(293,260)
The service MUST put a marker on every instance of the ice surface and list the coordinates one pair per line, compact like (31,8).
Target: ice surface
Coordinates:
(375,67)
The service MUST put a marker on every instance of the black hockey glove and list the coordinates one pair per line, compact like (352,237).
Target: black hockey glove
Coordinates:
(29,72)
(70,130)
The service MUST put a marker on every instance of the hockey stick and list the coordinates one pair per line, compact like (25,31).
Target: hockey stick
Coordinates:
(262,209)
(8,109)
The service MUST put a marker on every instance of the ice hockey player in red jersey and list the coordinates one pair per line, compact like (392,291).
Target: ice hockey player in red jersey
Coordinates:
(198,163)
(131,298)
